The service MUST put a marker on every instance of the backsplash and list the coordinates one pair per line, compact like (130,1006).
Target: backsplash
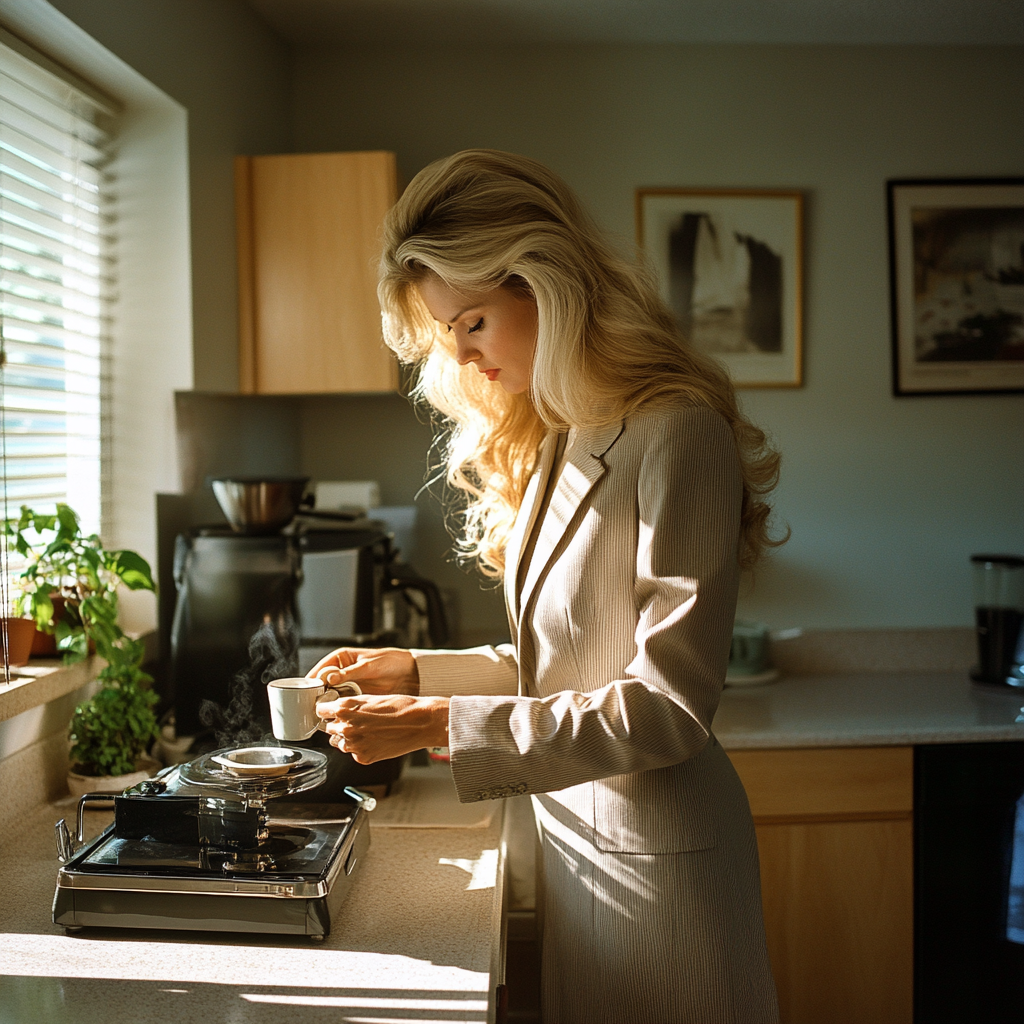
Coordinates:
(377,437)
(813,651)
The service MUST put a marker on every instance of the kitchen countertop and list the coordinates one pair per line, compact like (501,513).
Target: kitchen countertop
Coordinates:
(416,939)
(868,709)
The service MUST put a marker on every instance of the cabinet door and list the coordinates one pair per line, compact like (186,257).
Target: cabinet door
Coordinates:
(308,232)
(835,836)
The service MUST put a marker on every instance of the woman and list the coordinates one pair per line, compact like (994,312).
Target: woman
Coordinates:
(612,484)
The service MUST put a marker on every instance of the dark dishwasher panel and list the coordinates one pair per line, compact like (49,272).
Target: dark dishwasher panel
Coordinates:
(965,805)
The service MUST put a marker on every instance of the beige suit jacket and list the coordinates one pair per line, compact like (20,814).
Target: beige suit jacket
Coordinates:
(602,707)
(621,633)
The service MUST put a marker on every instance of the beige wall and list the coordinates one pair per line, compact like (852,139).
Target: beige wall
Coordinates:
(232,74)
(886,497)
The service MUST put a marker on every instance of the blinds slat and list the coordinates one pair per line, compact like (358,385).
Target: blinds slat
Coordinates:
(18,196)
(90,179)
(14,237)
(36,69)
(23,273)
(39,355)
(49,230)
(56,198)
(48,378)
(16,453)
(39,403)
(49,163)
(74,381)
(50,142)
(37,311)
(48,339)
(50,107)
(63,434)
(47,295)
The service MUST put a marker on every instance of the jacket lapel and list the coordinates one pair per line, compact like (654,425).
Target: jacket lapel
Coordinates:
(524,524)
(582,468)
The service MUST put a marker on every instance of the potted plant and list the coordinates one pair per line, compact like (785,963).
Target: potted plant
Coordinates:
(17,635)
(111,731)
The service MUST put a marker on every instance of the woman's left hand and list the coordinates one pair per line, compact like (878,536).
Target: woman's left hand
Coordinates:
(372,728)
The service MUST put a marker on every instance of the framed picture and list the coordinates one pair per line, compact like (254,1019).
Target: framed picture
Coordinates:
(730,264)
(956,275)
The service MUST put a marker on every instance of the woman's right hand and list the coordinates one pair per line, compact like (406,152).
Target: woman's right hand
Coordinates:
(382,670)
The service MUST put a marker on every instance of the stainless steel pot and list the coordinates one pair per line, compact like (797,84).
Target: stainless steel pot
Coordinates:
(259,506)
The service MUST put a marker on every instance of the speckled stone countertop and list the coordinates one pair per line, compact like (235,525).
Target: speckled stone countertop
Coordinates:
(868,709)
(416,939)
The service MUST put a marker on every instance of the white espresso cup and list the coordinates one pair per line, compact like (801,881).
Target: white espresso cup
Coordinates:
(293,705)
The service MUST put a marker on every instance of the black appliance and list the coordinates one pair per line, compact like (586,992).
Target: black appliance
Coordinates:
(251,608)
(999,618)
(196,848)
(969,883)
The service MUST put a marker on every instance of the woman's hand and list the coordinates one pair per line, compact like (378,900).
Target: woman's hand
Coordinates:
(384,670)
(373,728)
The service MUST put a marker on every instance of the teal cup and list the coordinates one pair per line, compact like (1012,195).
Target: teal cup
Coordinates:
(748,655)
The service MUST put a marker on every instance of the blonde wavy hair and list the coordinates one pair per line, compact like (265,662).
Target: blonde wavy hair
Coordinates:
(606,342)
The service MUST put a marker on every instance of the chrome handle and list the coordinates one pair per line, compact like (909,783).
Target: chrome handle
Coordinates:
(364,800)
(91,798)
(65,845)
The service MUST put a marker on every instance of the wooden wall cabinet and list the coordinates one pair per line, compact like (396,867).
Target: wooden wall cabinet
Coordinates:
(835,835)
(308,238)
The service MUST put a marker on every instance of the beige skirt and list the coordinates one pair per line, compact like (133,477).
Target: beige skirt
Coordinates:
(658,938)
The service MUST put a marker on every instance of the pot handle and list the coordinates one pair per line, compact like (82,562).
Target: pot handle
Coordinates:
(68,845)
(107,801)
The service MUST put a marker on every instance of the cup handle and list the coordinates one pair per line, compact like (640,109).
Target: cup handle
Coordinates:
(342,690)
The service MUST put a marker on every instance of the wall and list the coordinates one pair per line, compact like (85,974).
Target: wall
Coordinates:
(232,74)
(886,497)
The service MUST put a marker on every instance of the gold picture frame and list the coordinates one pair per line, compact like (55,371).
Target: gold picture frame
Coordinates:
(729,263)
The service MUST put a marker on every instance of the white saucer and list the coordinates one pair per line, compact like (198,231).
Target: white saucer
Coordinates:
(244,767)
(757,679)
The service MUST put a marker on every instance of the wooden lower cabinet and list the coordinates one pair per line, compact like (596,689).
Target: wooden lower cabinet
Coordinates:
(835,835)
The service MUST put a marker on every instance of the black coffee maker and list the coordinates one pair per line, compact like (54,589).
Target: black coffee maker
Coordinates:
(263,603)
(999,616)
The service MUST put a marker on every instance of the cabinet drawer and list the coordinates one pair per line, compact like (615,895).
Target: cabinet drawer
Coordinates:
(856,782)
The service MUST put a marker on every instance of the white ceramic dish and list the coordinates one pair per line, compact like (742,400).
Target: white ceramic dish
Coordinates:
(248,760)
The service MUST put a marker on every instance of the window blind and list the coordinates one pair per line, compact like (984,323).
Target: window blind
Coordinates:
(56,280)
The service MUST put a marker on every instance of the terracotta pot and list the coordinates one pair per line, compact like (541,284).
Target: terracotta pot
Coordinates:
(79,785)
(16,638)
(44,645)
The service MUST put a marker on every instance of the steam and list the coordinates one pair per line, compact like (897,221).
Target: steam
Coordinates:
(273,654)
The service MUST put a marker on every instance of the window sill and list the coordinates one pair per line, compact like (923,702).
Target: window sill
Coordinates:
(41,681)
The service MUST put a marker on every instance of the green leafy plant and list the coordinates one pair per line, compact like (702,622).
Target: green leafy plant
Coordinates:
(113,729)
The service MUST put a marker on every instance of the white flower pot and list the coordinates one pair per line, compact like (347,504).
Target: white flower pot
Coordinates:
(79,785)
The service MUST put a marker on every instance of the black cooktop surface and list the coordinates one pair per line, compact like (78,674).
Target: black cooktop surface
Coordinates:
(298,852)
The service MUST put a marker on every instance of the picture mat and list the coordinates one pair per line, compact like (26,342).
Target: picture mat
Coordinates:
(771,218)
(939,377)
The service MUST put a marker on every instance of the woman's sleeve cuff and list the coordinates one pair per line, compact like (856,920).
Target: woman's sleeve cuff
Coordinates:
(471,672)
